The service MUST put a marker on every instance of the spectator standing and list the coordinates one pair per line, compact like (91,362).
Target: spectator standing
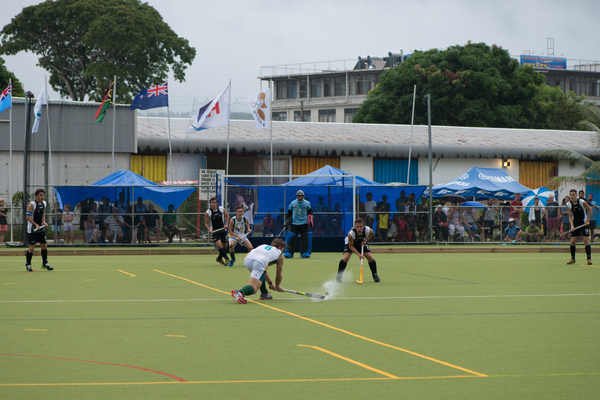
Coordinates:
(3,220)
(383,217)
(57,220)
(423,218)
(489,218)
(504,214)
(122,204)
(516,208)
(536,211)
(552,220)
(152,223)
(594,206)
(370,207)
(401,201)
(105,212)
(249,212)
(169,221)
(68,218)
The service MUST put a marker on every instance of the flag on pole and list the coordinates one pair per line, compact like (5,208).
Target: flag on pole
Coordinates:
(213,114)
(156,96)
(260,107)
(106,103)
(37,109)
(6,98)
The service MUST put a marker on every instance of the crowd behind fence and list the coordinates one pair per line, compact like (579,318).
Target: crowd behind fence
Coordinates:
(97,223)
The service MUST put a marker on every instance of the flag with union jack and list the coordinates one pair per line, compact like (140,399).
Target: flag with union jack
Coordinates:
(6,98)
(156,96)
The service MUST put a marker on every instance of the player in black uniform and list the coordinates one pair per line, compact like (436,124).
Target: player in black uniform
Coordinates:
(580,213)
(217,219)
(358,237)
(36,224)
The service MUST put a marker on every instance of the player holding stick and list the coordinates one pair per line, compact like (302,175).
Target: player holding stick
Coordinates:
(580,221)
(257,262)
(357,237)
(216,220)
(237,226)
(36,224)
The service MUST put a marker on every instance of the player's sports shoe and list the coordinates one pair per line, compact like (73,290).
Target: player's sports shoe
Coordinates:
(47,266)
(239,296)
(266,296)
(219,260)
(376,278)
(287,254)
(571,261)
(305,255)
(28,267)
(231,263)
(589,261)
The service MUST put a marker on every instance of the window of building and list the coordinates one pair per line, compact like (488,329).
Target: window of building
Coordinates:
(359,84)
(315,87)
(349,114)
(327,115)
(298,116)
(303,93)
(279,116)
(334,86)
(287,89)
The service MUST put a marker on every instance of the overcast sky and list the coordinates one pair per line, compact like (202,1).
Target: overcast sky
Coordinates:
(235,38)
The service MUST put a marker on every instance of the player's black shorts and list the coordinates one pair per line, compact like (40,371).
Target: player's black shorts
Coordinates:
(347,249)
(583,231)
(592,224)
(36,237)
(221,235)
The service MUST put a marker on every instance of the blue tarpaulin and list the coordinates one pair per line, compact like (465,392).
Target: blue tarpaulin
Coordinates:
(482,183)
(131,183)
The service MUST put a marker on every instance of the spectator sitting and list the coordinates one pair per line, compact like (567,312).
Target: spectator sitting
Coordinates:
(533,233)
(279,222)
(392,234)
(512,233)
(469,223)
(440,224)
(152,223)
(104,212)
(139,225)
(91,231)
(114,227)
(169,220)
(269,226)
(455,222)
(489,219)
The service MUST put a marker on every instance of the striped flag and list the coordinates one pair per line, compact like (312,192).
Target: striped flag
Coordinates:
(106,103)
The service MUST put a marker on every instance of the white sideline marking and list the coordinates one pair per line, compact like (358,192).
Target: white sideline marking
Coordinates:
(295,299)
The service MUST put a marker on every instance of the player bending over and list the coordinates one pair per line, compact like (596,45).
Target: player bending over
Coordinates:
(257,262)
(237,226)
(358,237)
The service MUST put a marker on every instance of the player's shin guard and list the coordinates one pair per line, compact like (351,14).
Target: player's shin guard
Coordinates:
(342,267)
(572,252)
(290,240)
(373,266)
(28,257)
(44,256)
(588,251)
(263,288)
(248,290)
(232,253)
(309,247)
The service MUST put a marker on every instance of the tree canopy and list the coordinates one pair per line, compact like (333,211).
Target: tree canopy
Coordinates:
(6,76)
(84,43)
(471,85)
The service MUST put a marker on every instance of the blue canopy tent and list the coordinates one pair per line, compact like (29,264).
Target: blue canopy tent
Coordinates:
(482,183)
(336,188)
(111,185)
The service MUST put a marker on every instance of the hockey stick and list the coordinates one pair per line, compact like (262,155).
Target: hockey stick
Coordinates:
(362,248)
(283,229)
(40,228)
(219,230)
(579,227)
(317,296)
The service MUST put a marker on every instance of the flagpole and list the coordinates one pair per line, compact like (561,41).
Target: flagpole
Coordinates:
(412,122)
(227,164)
(10,189)
(49,134)
(271,126)
(112,167)
(170,150)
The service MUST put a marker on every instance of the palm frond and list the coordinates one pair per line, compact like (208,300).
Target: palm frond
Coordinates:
(566,155)
(561,180)
(588,126)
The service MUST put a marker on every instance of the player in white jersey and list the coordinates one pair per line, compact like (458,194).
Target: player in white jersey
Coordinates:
(257,262)
(239,230)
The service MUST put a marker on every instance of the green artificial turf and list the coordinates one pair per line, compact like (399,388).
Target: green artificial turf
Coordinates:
(452,326)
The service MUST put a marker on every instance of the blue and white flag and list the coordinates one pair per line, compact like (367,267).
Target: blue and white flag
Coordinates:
(213,114)
(6,98)
(37,110)
(156,96)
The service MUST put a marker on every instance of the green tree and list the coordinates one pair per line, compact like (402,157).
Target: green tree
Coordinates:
(84,43)
(6,76)
(591,117)
(471,85)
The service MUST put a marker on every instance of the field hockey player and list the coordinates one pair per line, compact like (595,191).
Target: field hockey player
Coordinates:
(357,237)
(239,229)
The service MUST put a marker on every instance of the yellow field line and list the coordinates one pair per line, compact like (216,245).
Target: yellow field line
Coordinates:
(351,361)
(338,329)
(126,273)
(36,330)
